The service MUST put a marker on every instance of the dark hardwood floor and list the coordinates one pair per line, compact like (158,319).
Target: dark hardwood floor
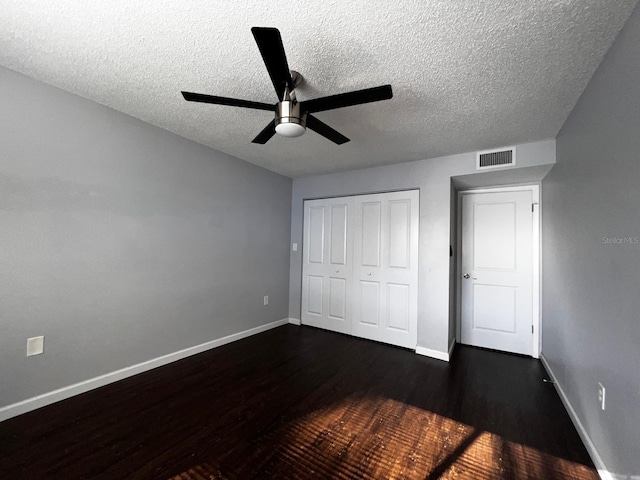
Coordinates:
(296,402)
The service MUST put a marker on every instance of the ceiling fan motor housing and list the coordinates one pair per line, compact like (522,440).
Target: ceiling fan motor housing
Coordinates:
(291,121)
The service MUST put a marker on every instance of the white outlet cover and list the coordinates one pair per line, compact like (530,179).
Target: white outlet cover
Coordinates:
(35,346)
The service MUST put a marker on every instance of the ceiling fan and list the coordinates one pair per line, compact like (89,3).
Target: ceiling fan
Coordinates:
(292,118)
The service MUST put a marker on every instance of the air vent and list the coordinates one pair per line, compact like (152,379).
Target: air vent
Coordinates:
(496,158)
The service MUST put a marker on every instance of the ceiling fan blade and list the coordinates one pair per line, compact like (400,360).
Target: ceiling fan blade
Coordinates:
(357,97)
(325,130)
(270,44)
(268,132)
(233,102)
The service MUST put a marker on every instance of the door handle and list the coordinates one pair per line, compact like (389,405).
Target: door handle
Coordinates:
(369,273)
(467,276)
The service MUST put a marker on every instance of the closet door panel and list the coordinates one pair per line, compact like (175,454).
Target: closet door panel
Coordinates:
(360,266)
(326,268)
(392,233)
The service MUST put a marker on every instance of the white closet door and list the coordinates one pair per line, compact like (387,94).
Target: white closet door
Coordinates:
(385,267)
(327,265)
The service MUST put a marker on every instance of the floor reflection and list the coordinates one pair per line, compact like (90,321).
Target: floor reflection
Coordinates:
(345,440)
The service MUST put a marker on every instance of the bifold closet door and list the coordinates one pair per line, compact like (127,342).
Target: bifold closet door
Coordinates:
(327,267)
(360,266)
(385,267)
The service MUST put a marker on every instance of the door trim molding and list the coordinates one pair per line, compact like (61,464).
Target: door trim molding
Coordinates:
(534,188)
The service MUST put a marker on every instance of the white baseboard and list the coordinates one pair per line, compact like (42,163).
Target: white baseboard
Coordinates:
(584,436)
(86,385)
(427,352)
(294,321)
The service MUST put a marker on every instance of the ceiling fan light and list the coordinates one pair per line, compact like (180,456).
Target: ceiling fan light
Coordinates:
(290,129)
(290,120)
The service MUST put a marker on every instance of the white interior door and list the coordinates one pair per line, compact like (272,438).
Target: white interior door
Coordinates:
(327,266)
(375,297)
(385,267)
(497,270)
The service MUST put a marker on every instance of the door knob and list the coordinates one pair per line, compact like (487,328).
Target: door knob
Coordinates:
(369,273)
(466,275)
(337,271)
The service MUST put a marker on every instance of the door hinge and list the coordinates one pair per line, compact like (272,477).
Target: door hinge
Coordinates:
(531,328)
(533,206)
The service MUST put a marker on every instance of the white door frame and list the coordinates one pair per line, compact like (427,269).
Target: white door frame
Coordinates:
(535,190)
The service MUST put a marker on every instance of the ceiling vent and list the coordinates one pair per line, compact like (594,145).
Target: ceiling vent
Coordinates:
(496,158)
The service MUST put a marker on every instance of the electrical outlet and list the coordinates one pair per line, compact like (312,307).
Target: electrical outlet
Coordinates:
(266,299)
(601,395)
(35,346)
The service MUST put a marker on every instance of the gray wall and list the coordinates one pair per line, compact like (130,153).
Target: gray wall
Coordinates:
(121,242)
(591,289)
(434,179)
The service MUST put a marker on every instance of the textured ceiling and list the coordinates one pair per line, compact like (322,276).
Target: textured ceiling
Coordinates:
(467,75)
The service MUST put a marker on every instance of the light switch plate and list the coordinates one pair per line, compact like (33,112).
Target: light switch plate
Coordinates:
(35,346)
(295,247)
(266,299)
